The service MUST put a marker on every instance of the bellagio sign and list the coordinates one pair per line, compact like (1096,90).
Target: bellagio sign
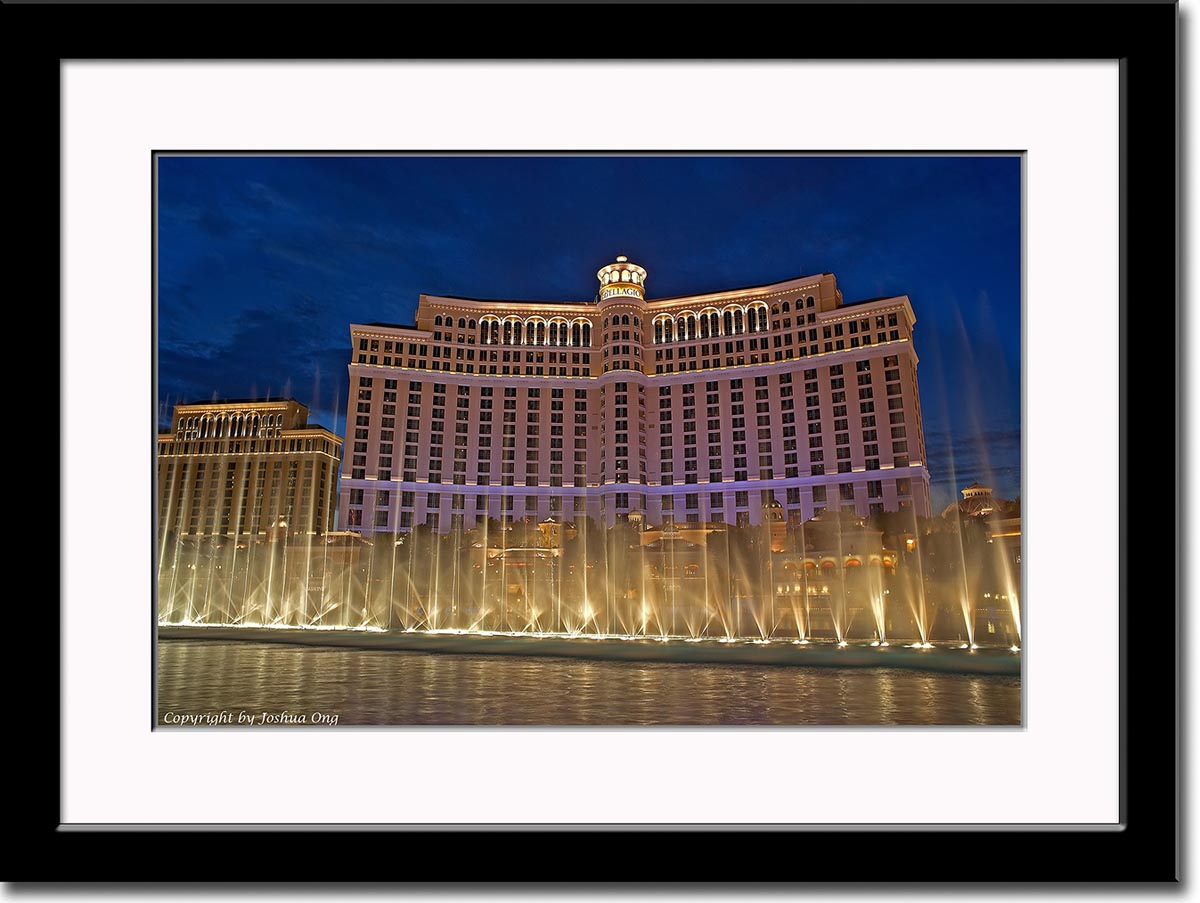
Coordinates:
(617,291)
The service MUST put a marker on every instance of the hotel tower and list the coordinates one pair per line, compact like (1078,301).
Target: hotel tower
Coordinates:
(244,469)
(778,400)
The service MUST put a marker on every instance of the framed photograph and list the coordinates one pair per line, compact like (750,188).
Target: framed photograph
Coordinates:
(336,572)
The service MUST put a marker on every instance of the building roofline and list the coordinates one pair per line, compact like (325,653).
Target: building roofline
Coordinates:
(649,300)
(502,300)
(239,401)
(737,290)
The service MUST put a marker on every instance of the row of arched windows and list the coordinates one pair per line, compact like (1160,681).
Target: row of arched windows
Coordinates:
(556,331)
(621,276)
(463,322)
(787,305)
(622,320)
(733,320)
(207,426)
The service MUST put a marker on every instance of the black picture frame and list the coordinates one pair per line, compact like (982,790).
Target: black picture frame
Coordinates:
(1142,36)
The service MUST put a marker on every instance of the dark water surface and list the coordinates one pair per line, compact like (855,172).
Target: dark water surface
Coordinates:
(365,686)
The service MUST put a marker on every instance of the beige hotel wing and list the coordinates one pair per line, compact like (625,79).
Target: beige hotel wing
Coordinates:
(700,409)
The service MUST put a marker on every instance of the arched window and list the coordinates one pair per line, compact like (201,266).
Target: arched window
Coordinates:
(606,322)
(786,307)
(553,333)
(669,330)
(728,322)
(541,334)
(738,325)
(637,322)
(437,321)
(808,302)
(658,335)
(624,275)
(625,320)
(471,324)
(462,322)
(775,308)
(587,333)
(703,326)
(530,333)
(575,334)
(495,332)
(714,324)
(762,319)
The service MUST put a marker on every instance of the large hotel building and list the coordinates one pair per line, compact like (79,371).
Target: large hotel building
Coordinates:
(704,408)
(245,469)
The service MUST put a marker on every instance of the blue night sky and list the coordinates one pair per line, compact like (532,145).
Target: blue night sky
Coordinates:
(265,261)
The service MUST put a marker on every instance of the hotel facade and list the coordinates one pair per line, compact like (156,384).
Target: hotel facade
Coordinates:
(773,401)
(246,469)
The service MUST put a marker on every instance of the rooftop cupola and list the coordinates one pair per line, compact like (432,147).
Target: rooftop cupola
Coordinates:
(622,279)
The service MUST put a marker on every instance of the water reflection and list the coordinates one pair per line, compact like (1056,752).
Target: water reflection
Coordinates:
(364,686)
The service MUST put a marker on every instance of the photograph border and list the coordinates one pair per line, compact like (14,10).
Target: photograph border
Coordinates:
(155,407)
(1143,37)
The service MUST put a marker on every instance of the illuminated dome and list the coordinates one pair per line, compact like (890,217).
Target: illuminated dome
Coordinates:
(977,501)
(622,278)
(772,510)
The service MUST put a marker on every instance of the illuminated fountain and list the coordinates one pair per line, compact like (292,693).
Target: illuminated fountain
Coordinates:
(831,583)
